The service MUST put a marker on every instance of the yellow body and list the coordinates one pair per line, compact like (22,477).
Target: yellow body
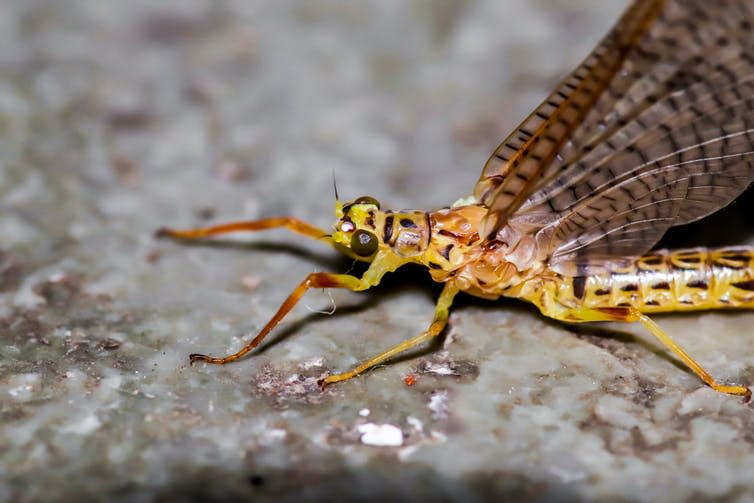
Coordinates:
(448,243)
(664,281)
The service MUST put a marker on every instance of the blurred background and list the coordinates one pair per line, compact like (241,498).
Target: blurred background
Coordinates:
(117,118)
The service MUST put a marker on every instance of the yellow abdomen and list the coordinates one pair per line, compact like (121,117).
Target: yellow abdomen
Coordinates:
(664,281)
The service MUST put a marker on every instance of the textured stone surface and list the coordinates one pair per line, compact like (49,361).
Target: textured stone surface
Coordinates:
(119,117)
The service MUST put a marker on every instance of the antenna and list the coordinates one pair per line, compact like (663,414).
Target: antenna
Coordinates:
(335,185)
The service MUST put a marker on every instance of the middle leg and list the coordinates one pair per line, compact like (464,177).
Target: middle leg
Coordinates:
(442,312)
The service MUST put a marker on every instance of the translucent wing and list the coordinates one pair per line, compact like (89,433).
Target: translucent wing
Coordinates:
(668,140)
(522,159)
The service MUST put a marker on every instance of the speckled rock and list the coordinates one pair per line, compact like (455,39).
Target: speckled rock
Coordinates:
(119,117)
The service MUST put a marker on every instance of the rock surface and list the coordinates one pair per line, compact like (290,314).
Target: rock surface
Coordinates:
(120,117)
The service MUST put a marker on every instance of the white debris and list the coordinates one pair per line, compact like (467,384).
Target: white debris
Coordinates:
(364,412)
(381,435)
(438,404)
(86,425)
(442,369)
(415,424)
(22,387)
(312,363)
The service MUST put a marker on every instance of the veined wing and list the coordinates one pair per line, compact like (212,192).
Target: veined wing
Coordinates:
(518,165)
(669,140)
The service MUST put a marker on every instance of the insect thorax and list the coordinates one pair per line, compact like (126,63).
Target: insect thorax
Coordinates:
(457,253)
(447,241)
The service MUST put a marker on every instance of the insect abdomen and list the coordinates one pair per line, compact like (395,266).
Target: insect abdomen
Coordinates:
(679,280)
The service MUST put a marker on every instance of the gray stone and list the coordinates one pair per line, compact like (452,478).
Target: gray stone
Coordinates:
(119,117)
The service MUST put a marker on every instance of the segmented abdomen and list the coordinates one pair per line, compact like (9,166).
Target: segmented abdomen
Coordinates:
(665,280)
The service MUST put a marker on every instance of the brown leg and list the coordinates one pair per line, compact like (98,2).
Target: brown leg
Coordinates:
(289,223)
(313,280)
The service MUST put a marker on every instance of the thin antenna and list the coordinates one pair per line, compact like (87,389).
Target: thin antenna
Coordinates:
(335,185)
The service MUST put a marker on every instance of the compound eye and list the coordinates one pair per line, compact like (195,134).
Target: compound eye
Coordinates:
(367,200)
(364,243)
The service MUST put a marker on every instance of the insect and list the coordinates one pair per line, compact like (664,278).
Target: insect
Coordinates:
(654,129)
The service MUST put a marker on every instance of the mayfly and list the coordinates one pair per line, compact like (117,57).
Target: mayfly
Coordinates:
(654,129)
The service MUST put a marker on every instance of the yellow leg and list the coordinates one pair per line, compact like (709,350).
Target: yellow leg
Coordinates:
(630,314)
(381,264)
(442,311)
(290,223)
(313,280)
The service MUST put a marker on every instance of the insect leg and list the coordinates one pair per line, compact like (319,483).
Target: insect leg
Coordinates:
(313,280)
(382,264)
(630,314)
(442,311)
(289,223)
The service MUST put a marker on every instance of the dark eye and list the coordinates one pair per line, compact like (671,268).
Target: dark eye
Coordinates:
(367,200)
(363,243)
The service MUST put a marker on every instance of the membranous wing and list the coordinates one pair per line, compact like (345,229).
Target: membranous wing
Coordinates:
(668,138)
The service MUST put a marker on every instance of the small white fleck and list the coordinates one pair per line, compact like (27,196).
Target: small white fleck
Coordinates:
(250,282)
(57,277)
(416,424)
(276,434)
(407,451)
(311,363)
(438,404)
(85,426)
(381,435)
(364,412)
(442,369)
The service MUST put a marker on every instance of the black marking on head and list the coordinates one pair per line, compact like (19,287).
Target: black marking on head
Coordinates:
(370,219)
(445,252)
(388,231)
(698,283)
(434,265)
(747,285)
(407,223)
(603,291)
(662,285)
(631,287)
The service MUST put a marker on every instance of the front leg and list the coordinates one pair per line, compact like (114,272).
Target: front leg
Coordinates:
(313,280)
(290,223)
(381,265)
